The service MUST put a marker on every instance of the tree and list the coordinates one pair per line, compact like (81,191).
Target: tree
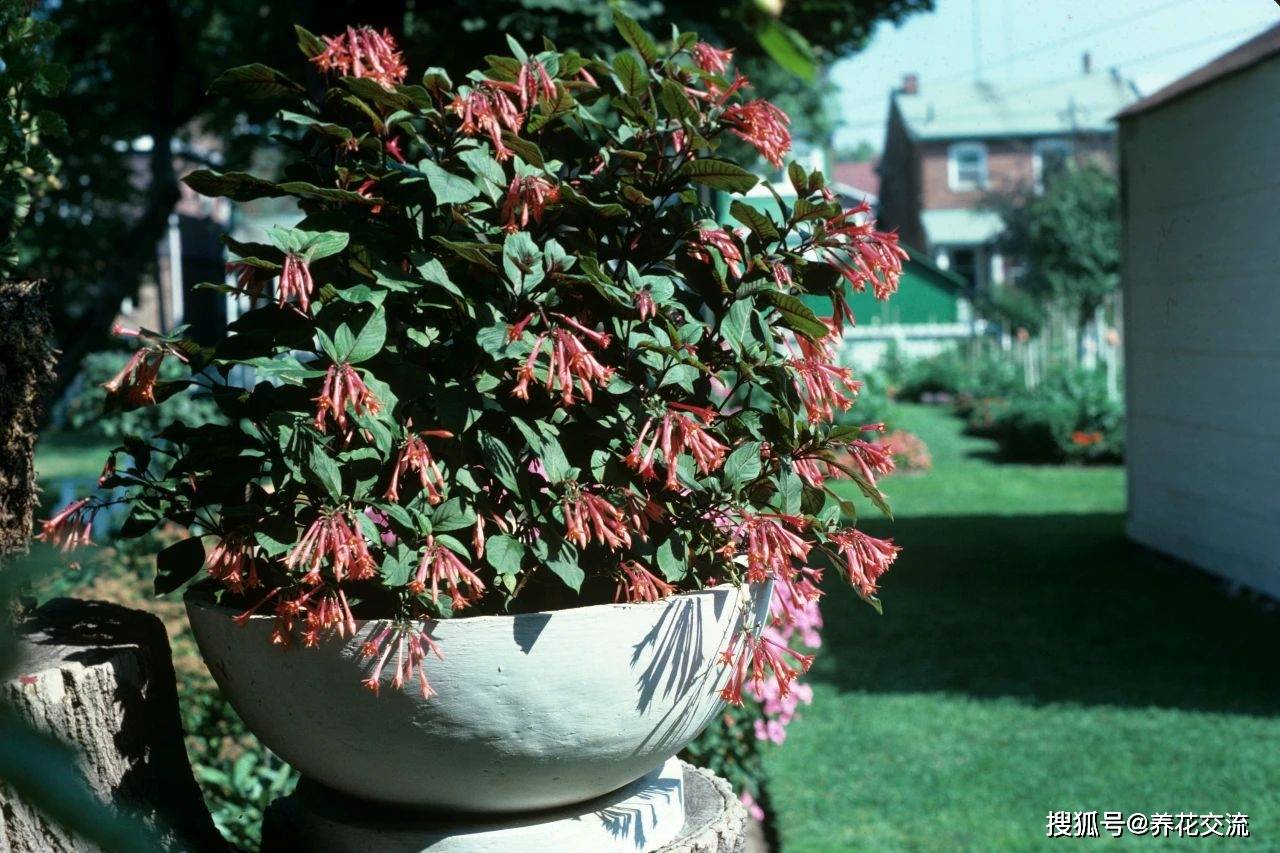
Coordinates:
(1067,238)
(139,70)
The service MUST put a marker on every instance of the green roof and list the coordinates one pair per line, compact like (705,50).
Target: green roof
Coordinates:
(1084,103)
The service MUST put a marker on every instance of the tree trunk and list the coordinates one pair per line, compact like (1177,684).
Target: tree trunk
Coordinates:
(100,678)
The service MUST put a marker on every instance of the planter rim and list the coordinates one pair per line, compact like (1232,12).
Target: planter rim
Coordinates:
(203,596)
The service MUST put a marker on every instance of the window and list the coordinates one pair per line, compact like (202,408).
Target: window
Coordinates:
(967,166)
(1049,159)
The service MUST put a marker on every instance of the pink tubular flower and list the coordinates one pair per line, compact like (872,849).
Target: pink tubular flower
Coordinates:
(771,547)
(136,381)
(332,538)
(709,59)
(824,386)
(533,84)
(763,125)
(363,52)
(862,254)
(487,109)
(440,564)
(416,456)
(751,658)
(328,613)
(295,283)
(865,557)
(645,306)
(71,527)
(869,458)
(231,562)
(527,197)
(638,584)
(342,387)
(723,242)
(590,516)
(675,434)
(569,360)
(410,647)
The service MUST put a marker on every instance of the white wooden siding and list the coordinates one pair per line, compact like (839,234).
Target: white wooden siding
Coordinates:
(1202,325)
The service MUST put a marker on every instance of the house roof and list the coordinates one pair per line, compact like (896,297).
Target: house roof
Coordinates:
(864,176)
(1084,103)
(1255,50)
(961,227)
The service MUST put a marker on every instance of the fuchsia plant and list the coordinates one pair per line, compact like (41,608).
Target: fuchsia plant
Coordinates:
(508,360)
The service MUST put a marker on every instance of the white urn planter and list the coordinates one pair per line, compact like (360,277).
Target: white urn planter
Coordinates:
(533,711)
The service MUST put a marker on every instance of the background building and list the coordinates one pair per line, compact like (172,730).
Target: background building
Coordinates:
(1201,199)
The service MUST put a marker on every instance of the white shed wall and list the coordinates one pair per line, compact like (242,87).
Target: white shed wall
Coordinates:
(1202,320)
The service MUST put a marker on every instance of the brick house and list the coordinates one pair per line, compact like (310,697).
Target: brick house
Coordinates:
(947,151)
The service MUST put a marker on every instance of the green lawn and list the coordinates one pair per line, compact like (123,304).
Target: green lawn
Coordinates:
(69,455)
(1029,659)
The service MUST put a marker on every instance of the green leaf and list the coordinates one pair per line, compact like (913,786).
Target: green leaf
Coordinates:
(677,104)
(799,180)
(630,73)
(718,174)
(563,563)
(369,342)
(504,553)
(635,35)
(323,244)
(308,42)
(796,315)
(254,81)
(483,166)
(178,564)
(302,189)
(448,188)
(326,472)
(787,48)
(451,515)
(736,325)
(324,128)
(528,150)
(758,221)
(554,461)
(672,557)
(522,261)
(743,465)
(434,272)
(237,186)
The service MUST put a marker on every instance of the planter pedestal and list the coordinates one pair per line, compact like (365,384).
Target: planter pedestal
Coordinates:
(675,809)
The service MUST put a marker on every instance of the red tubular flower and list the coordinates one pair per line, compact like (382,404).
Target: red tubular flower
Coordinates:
(231,562)
(638,584)
(709,59)
(363,52)
(71,527)
(862,254)
(392,148)
(416,456)
(771,547)
(865,557)
(533,84)
(723,242)
(329,613)
(823,386)
(645,306)
(250,279)
(591,516)
(440,564)
(675,434)
(487,109)
(763,126)
(410,647)
(569,360)
(751,658)
(342,387)
(527,196)
(295,283)
(869,458)
(136,381)
(334,539)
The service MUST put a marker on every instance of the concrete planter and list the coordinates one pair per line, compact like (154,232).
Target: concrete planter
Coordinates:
(534,711)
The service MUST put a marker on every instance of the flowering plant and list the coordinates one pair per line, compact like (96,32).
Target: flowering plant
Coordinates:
(507,360)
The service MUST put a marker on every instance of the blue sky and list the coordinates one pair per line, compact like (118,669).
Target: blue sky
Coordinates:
(1151,41)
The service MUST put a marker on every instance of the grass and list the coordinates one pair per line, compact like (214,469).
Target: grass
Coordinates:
(1030,659)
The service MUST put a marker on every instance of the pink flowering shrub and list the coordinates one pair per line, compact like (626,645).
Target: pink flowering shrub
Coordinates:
(508,360)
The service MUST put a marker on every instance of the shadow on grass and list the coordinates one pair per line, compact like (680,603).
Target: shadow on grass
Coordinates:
(1051,609)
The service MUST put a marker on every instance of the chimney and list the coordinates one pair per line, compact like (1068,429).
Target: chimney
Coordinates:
(911,84)
(1086,62)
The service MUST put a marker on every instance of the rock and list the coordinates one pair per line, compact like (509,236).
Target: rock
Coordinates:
(100,678)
